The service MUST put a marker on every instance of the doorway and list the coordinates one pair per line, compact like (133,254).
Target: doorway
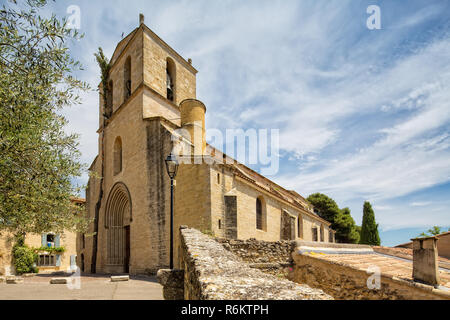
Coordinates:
(127,249)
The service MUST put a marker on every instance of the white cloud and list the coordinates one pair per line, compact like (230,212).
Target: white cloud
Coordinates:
(420,204)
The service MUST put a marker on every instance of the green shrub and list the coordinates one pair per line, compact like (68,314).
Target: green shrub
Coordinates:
(24,259)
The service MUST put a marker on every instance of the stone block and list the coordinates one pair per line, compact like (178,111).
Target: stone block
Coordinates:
(119,278)
(58,281)
(172,282)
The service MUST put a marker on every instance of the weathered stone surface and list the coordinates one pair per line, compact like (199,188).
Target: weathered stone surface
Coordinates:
(350,282)
(257,251)
(213,273)
(58,281)
(119,278)
(172,282)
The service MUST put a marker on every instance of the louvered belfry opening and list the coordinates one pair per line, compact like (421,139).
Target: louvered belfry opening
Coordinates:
(118,216)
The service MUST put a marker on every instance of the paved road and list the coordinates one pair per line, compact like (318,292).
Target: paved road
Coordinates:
(91,288)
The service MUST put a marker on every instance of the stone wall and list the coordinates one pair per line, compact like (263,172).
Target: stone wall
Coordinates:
(257,251)
(213,273)
(270,257)
(347,283)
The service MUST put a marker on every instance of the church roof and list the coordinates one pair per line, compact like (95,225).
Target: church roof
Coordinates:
(264,183)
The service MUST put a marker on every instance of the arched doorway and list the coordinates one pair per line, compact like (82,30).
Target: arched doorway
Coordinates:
(117,224)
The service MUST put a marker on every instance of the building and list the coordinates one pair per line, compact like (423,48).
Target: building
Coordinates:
(47,262)
(443,245)
(148,110)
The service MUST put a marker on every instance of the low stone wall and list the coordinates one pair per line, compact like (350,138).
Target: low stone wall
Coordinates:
(213,273)
(256,251)
(274,258)
(345,282)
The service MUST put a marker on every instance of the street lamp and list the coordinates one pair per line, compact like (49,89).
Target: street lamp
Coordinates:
(172,168)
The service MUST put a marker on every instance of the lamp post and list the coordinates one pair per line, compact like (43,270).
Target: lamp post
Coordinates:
(172,168)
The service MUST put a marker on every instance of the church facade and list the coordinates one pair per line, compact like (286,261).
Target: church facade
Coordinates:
(149,111)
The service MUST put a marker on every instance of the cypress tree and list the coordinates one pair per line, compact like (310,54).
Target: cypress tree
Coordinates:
(369,228)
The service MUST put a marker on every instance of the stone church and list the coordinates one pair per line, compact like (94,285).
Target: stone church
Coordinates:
(151,98)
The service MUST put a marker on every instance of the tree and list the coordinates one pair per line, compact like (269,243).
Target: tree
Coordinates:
(38,159)
(369,228)
(434,231)
(326,207)
(346,229)
(341,220)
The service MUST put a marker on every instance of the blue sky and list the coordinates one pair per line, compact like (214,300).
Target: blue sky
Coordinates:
(363,114)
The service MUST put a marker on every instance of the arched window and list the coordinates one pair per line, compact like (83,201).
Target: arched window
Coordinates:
(260,214)
(170,79)
(117,155)
(127,79)
(322,233)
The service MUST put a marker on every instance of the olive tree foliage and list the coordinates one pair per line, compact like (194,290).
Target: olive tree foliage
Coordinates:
(39,160)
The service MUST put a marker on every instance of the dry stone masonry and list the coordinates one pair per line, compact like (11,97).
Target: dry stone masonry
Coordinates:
(270,257)
(214,273)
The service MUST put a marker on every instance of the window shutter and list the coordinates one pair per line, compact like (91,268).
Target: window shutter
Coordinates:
(58,260)
(57,240)
(44,240)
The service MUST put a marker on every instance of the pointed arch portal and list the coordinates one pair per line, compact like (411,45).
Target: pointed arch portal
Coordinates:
(117,224)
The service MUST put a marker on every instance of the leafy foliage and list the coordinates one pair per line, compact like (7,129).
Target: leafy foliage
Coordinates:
(39,160)
(105,67)
(369,228)
(23,257)
(434,231)
(50,250)
(341,219)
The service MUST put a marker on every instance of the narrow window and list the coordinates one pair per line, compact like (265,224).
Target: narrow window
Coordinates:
(322,234)
(314,234)
(220,224)
(300,226)
(127,78)
(260,213)
(50,240)
(218,178)
(117,155)
(170,79)
(330,236)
